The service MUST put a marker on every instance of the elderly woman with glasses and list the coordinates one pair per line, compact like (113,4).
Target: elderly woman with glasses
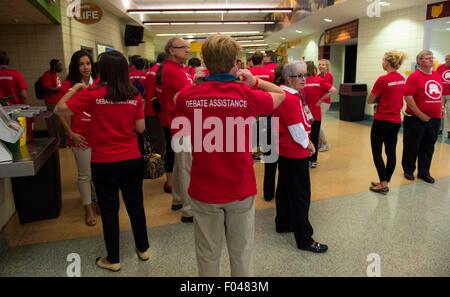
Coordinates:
(293,194)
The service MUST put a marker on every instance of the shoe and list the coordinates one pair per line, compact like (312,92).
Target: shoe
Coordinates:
(374,184)
(409,176)
(144,256)
(324,148)
(91,223)
(187,219)
(315,247)
(313,164)
(167,188)
(177,206)
(383,191)
(109,266)
(427,179)
(268,198)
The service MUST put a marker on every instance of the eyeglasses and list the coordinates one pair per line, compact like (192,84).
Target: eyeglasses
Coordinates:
(301,75)
(184,47)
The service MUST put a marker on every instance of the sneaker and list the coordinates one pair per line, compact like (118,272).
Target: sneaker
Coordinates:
(144,256)
(324,148)
(167,188)
(313,164)
(101,262)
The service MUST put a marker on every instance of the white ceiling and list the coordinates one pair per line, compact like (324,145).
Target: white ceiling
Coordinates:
(21,12)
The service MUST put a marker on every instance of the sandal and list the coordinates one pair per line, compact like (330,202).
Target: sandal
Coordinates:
(90,222)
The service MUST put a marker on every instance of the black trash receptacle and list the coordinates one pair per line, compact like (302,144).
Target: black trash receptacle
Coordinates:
(352,102)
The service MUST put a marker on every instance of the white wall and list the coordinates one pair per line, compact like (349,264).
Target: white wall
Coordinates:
(400,30)
(440,45)
(307,48)
(109,31)
(337,60)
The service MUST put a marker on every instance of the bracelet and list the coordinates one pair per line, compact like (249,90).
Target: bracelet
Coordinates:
(257,83)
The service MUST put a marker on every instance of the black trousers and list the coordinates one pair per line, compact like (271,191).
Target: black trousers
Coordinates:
(270,171)
(384,132)
(315,133)
(125,176)
(156,132)
(169,159)
(418,144)
(293,199)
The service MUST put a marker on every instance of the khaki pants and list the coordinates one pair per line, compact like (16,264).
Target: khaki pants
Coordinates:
(181,177)
(235,220)
(447,111)
(324,107)
(85,184)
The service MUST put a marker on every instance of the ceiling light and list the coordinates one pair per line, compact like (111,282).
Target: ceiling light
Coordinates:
(448,29)
(258,44)
(328,20)
(156,23)
(283,38)
(237,22)
(211,10)
(384,3)
(262,23)
(299,32)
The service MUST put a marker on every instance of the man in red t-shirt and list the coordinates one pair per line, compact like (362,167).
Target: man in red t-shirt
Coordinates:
(270,61)
(13,87)
(174,79)
(423,118)
(223,184)
(51,83)
(444,72)
(139,74)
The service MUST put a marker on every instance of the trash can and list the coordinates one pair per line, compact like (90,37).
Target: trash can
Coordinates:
(352,102)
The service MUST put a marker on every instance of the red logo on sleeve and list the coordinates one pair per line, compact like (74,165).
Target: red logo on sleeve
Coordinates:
(433,90)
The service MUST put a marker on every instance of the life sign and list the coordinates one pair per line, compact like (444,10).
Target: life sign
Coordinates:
(90,13)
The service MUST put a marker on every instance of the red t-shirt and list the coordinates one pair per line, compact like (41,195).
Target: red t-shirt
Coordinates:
(51,80)
(174,79)
(138,74)
(426,89)
(328,77)
(113,136)
(271,67)
(11,83)
(227,176)
(444,72)
(79,123)
(151,90)
(390,89)
(314,89)
(289,113)
(262,73)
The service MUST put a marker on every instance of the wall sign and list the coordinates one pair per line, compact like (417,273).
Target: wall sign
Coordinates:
(438,10)
(90,13)
(341,33)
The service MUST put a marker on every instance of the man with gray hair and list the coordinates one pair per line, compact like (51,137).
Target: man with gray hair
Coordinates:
(423,118)
(444,72)
(174,79)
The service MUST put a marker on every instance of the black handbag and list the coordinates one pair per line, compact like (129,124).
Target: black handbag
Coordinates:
(153,162)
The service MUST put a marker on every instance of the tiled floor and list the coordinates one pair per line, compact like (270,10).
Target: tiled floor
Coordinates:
(409,228)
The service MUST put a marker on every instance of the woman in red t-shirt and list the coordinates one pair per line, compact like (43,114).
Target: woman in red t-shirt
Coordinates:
(117,114)
(324,72)
(78,128)
(293,195)
(388,92)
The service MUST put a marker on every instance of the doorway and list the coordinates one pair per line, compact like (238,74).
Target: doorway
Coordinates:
(350,63)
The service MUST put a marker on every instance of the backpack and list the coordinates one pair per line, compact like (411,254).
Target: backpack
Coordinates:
(39,89)
(138,85)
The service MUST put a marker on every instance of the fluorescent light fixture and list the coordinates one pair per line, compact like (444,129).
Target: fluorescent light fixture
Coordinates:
(384,3)
(448,29)
(262,23)
(209,10)
(283,38)
(248,41)
(328,20)
(299,32)
(238,34)
(237,22)
(156,24)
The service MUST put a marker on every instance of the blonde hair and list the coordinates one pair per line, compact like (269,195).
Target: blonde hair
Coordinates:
(395,58)
(327,62)
(220,53)
(423,53)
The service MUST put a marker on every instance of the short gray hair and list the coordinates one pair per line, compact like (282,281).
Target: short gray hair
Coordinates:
(290,68)
(170,43)
(423,53)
